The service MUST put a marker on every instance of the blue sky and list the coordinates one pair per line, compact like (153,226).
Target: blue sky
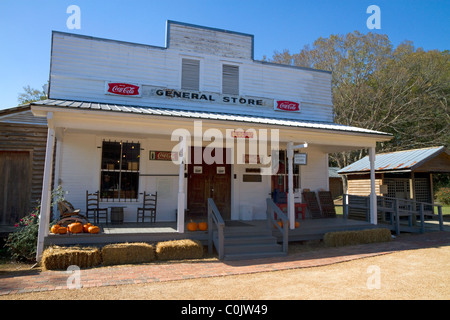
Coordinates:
(25,26)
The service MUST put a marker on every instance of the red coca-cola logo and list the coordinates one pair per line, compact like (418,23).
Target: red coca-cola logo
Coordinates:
(123,89)
(288,106)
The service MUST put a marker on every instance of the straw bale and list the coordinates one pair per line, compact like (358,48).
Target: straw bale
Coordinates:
(127,253)
(179,249)
(60,258)
(344,238)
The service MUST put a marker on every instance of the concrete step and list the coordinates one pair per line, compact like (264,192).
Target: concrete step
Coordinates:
(254,255)
(249,248)
(249,243)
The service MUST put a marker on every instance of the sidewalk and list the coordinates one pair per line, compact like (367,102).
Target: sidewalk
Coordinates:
(133,274)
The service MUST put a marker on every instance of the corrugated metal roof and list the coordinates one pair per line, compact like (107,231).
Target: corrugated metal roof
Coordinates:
(393,161)
(82,105)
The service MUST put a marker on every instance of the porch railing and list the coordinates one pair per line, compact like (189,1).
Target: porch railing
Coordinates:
(215,221)
(394,208)
(271,209)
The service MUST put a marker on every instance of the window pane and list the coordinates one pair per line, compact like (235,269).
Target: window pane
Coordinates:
(130,156)
(110,155)
(129,185)
(109,185)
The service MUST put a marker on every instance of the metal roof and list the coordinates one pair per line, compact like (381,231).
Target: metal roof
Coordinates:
(96,106)
(394,161)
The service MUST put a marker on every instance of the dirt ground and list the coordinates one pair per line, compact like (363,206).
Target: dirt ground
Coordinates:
(411,274)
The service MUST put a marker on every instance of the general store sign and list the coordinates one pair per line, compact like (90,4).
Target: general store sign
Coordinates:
(145,91)
(208,97)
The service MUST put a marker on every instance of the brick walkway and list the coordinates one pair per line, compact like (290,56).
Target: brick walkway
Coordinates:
(117,275)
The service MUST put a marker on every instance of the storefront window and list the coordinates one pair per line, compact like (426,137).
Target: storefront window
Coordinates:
(280,180)
(120,171)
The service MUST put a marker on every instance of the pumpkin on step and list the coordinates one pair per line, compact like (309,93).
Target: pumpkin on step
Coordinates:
(203,226)
(75,227)
(94,229)
(192,226)
(62,230)
(54,228)
(86,227)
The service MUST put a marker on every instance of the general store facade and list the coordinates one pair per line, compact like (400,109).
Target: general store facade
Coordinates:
(196,119)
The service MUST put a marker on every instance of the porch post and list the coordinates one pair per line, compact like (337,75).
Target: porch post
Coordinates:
(44,215)
(181,195)
(373,195)
(290,197)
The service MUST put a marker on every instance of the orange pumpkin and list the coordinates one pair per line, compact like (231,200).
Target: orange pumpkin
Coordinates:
(86,227)
(280,223)
(75,227)
(203,226)
(62,230)
(192,226)
(55,228)
(94,229)
(297,224)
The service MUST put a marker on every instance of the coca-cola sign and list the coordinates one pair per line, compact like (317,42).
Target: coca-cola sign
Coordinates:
(123,89)
(284,105)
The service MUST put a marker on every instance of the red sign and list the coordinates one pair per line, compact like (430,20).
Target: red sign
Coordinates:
(123,89)
(241,134)
(287,106)
(163,155)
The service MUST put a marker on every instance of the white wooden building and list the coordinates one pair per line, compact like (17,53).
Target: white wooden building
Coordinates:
(117,111)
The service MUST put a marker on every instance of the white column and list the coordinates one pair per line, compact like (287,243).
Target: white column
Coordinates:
(44,215)
(290,197)
(373,195)
(181,195)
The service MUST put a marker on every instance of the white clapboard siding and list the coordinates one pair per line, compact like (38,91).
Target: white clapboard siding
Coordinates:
(81,65)
(189,38)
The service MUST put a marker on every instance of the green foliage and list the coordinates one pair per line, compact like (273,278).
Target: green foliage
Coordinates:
(22,243)
(403,91)
(31,95)
(443,196)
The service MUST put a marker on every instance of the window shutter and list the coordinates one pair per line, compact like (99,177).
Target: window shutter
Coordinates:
(190,75)
(230,79)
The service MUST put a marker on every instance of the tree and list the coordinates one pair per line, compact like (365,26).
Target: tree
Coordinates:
(31,95)
(403,90)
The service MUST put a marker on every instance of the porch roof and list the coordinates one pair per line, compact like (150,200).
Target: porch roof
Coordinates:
(156,111)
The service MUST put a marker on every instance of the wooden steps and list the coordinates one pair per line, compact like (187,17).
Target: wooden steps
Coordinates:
(251,242)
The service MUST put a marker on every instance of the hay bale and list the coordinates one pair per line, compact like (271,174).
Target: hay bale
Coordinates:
(127,253)
(60,258)
(345,238)
(179,249)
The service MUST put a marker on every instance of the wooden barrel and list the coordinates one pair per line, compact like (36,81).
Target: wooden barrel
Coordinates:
(116,215)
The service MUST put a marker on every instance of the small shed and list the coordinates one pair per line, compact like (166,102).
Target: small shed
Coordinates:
(402,174)
(23,139)
(335,181)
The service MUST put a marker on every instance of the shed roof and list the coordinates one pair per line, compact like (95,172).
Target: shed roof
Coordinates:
(407,160)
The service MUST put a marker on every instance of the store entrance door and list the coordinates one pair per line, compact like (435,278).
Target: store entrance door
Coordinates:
(208,181)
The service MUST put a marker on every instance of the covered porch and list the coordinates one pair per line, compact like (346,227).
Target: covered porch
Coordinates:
(309,229)
(79,133)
